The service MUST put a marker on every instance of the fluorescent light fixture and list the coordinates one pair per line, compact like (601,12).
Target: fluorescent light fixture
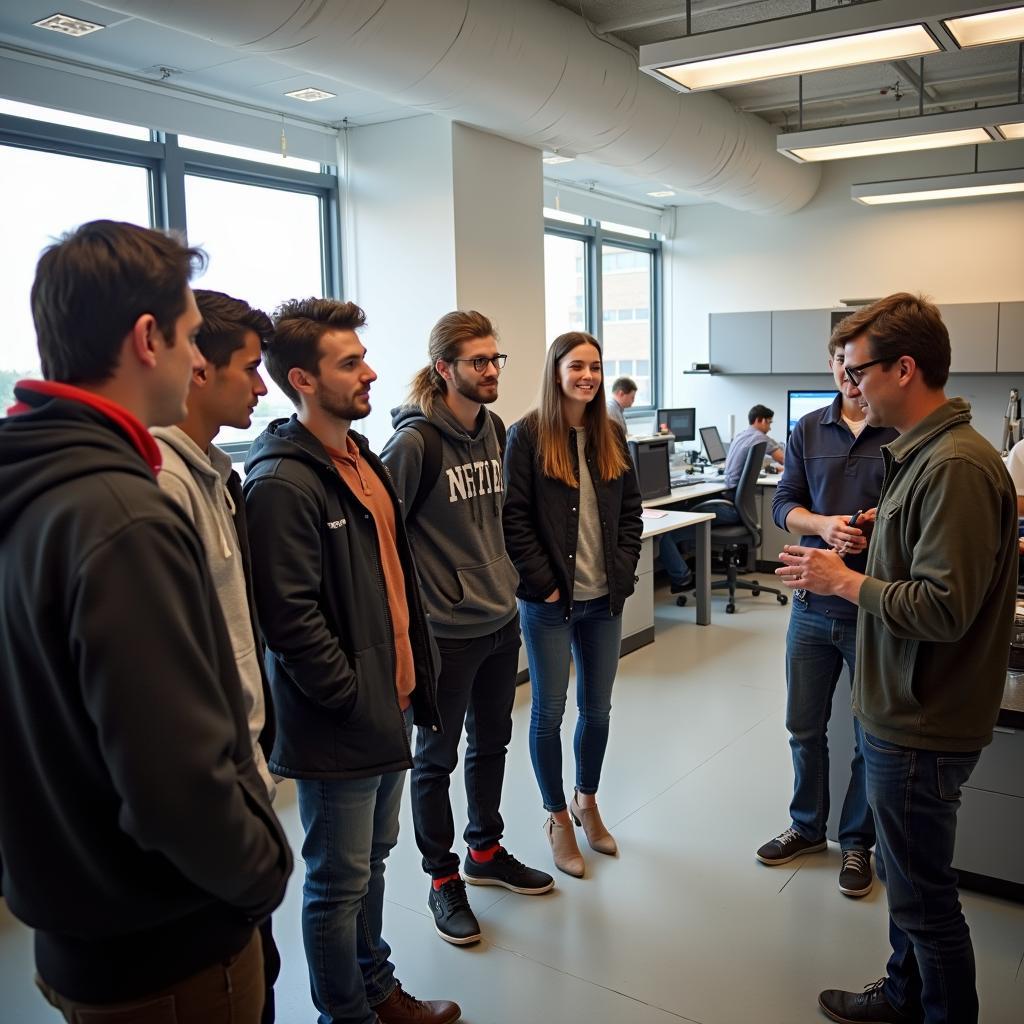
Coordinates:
(948,186)
(1005,26)
(661,195)
(554,158)
(900,135)
(1012,131)
(311,95)
(68,26)
(803,58)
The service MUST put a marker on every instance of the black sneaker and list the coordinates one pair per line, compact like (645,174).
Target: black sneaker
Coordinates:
(788,846)
(454,919)
(504,870)
(867,1007)
(855,876)
(680,588)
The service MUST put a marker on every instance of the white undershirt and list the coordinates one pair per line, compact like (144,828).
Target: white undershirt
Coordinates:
(857,426)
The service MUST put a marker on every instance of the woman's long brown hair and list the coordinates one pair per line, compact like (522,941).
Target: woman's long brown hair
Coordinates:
(603,437)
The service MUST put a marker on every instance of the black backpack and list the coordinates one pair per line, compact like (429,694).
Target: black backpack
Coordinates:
(430,470)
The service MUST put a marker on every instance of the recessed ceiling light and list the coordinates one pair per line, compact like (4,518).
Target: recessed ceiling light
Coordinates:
(68,26)
(311,95)
(661,195)
(984,29)
(802,58)
(1012,131)
(949,186)
(555,158)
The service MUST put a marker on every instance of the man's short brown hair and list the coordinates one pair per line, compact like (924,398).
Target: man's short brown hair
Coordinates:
(901,325)
(624,385)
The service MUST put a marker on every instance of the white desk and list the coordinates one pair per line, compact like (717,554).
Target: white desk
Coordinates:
(693,492)
(671,520)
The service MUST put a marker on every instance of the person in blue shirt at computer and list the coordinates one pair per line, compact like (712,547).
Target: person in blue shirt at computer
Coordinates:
(671,545)
(828,494)
(760,419)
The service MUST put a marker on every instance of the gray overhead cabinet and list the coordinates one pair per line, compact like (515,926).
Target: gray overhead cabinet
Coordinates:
(1011,337)
(740,342)
(985,337)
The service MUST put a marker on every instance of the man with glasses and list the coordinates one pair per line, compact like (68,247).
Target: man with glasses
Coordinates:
(828,495)
(446,461)
(760,419)
(936,611)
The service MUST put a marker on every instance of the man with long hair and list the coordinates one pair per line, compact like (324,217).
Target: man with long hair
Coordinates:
(350,658)
(445,458)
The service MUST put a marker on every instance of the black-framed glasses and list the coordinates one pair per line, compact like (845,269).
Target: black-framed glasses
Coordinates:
(854,374)
(480,362)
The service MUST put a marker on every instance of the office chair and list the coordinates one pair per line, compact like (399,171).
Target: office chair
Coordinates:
(730,539)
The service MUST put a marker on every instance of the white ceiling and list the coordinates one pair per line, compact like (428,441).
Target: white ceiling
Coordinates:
(984,77)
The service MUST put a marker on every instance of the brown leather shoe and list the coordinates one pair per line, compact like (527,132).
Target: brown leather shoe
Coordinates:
(402,1008)
(564,850)
(600,839)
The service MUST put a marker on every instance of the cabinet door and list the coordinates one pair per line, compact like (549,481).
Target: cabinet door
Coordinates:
(973,331)
(740,342)
(773,540)
(800,340)
(1011,337)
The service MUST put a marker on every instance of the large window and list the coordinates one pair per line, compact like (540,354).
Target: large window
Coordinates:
(270,230)
(45,194)
(605,279)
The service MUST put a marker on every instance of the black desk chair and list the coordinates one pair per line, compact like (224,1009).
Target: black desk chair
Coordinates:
(730,539)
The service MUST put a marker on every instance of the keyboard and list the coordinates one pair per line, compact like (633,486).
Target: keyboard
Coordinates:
(687,481)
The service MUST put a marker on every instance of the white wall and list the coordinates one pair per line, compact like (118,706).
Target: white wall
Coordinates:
(499,253)
(400,243)
(721,261)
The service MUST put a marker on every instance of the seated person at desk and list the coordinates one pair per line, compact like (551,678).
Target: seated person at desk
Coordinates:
(623,396)
(760,419)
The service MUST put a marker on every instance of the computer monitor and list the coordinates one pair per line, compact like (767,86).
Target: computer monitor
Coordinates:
(800,403)
(713,447)
(681,423)
(650,458)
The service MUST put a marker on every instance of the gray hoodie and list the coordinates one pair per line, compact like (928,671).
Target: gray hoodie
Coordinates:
(197,481)
(468,580)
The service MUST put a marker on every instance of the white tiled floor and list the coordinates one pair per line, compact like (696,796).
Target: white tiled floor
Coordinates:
(685,925)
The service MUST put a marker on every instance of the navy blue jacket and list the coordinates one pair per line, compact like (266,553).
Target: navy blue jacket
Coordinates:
(830,472)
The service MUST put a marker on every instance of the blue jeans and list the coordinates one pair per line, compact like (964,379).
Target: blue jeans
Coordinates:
(816,647)
(593,636)
(915,795)
(671,545)
(351,826)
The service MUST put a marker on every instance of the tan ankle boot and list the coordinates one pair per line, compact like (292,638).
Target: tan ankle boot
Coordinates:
(600,839)
(566,853)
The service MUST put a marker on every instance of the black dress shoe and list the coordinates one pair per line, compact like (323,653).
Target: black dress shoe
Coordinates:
(867,1007)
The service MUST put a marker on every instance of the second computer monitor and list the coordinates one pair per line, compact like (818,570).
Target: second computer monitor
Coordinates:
(678,422)
(712,441)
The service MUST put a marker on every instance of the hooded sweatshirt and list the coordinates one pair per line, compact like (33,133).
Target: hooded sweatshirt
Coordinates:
(136,836)
(198,482)
(469,582)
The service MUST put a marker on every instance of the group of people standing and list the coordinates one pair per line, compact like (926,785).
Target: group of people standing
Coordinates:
(175,641)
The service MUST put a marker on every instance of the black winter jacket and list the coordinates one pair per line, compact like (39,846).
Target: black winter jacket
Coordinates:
(323,610)
(136,835)
(542,522)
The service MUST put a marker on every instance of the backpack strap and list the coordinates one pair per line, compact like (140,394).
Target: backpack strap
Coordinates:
(430,469)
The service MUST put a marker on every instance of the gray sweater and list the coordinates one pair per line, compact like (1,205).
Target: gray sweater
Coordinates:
(469,583)
(197,481)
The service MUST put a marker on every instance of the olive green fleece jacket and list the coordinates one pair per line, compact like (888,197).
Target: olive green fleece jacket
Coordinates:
(936,608)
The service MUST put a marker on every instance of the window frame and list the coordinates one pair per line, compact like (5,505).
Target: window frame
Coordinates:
(594,238)
(168,164)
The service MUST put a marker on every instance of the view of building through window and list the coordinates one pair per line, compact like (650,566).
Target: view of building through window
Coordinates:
(565,294)
(45,195)
(626,316)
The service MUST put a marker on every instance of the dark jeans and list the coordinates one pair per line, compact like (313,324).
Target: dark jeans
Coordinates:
(225,993)
(593,635)
(351,827)
(672,545)
(816,647)
(915,795)
(476,686)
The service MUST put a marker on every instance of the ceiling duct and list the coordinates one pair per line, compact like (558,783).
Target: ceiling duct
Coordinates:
(529,71)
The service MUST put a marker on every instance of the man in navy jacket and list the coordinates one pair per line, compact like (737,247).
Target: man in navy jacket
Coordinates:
(833,473)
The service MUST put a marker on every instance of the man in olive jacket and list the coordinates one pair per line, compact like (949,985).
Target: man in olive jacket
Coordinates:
(936,609)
